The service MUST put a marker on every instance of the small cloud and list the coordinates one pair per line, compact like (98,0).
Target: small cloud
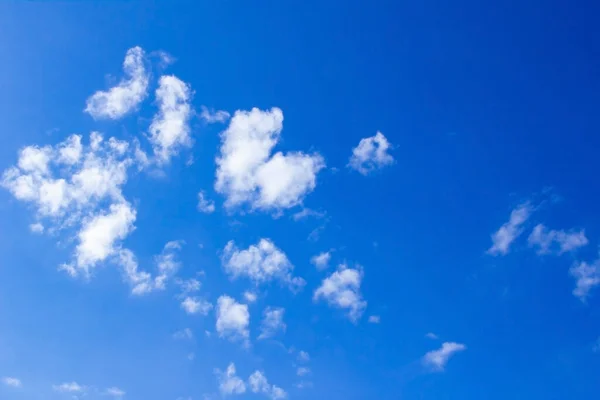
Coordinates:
(556,241)
(195,305)
(303,356)
(587,277)
(371,154)
(250,297)
(211,116)
(115,392)
(342,290)
(69,387)
(272,322)
(431,335)
(191,356)
(302,371)
(12,382)
(205,205)
(506,235)
(183,334)
(229,382)
(233,319)
(437,359)
(321,260)
(374,319)
(36,228)
(306,213)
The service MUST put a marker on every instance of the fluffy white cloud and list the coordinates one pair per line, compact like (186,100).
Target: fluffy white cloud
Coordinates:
(211,116)
(272,322)
(371,154)
(12,382)
(587,277)
(115,392)
(503,237)
(75,186)
(556,241)
(233,319)
(261,263)
(205,205)
(127,95)
(259,384)
(98,235)
(170,130)
(36,228)
(195,305)
(437,359)
(321,261)
(250,297)
(248,173)
(374,319)
(229,382)
(342,290)
(69,387)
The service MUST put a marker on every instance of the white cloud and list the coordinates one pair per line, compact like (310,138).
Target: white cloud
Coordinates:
(183,334)
(303,356)
(587,277)
(233,319)
(272,322)
(127,95)
(12,382)
(170,130)
(79,188)
(211,116)
(250,297)
(307,212)
(342,290)
(115,392)
(167,263)
(545,239)
(69,387)
(431,335)
(302,371)
(36,228)
(321,261)
(371,154)
(189,285)
(374,319)
(261,263)
(259,384)
(229,382)
(205,205)
(140,281)
(437,359)
(195,305)
(248,173)
(503,237)
(99,235)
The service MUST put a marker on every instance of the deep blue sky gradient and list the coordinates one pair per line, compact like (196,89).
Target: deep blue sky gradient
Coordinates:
(487,106)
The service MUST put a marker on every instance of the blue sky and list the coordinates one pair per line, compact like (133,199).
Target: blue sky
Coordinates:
(325,200)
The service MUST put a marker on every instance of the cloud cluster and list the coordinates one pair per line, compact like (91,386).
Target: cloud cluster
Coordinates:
(231,384)
(261,263)
(587,277)
(76,185)
(259,384)
(371,154)
(247,172)
(342,290)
